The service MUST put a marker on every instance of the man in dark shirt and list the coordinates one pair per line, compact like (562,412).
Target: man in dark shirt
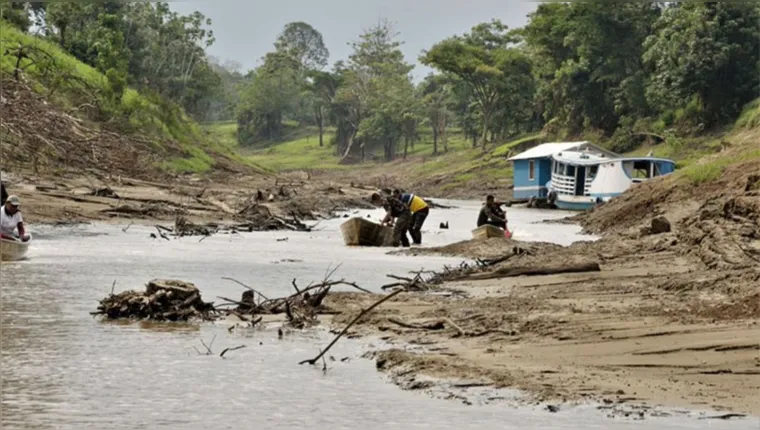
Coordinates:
(492,214)
(395,208)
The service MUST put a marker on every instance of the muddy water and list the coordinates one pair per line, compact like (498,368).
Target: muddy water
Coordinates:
(62,369)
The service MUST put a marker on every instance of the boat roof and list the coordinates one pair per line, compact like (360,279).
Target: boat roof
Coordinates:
(575,158)
(548,149)
(581,158)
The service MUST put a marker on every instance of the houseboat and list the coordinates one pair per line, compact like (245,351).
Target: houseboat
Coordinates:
(579,175)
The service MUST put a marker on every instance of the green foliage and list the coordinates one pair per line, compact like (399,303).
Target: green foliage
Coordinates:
(141,44)
(588,61)
(302,42)
(499,76)
(67,81)
(705,58)
(750,117)
(711,169)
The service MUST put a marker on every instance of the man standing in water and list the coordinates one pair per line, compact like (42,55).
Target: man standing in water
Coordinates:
(420,210)
(394,208)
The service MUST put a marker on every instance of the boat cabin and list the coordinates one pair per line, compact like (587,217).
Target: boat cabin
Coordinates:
(579,175)
(533,168)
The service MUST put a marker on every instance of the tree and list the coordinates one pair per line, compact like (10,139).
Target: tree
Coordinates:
(305,44)
(323,86)
(376,92)
(272,94)
(587,58)
(705,57)
(476,58)
(437,97)
(16,13)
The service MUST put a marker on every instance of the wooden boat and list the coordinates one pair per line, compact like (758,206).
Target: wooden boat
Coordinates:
(13,250)
(363,232)
(487,230)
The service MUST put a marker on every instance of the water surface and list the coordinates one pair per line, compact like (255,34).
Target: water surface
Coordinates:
(63,369)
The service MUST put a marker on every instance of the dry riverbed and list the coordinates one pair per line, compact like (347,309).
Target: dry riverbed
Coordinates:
(652,327)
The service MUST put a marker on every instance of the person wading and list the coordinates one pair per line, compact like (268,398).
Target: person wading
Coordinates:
(420,211)
(492,214)
(10,220)
(394,208)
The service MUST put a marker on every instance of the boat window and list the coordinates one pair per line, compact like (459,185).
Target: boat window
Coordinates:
(570,170)
(642,169)
(532,170)
(592,171)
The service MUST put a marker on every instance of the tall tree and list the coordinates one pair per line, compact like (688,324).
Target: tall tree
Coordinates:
(323,87)
(273,93)
(305,44)
(476,58)
(377,85)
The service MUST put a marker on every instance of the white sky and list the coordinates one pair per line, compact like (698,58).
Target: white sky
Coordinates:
(246,29)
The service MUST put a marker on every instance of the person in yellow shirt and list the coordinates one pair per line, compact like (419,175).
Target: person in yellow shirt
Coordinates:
(420,210)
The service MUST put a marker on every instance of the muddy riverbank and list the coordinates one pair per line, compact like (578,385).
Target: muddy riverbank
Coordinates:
(662,313)
(83,198)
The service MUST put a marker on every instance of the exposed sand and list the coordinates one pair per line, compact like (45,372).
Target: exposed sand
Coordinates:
(653,327)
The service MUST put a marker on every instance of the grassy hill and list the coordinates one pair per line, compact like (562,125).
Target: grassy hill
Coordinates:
(62,115)
(469,172)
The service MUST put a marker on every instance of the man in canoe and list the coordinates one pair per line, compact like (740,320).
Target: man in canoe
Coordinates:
(11,220)
(394,208)
(491,213)
(420,210)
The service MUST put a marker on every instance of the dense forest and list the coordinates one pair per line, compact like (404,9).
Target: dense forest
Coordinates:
(618,73)
(581,68)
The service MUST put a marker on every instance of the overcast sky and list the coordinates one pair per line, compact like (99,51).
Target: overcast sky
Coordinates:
(246,29)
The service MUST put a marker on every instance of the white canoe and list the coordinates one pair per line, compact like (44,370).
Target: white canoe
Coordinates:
(13,250)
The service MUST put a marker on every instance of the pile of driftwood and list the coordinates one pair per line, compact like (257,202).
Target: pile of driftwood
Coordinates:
(182,227)
(162,300)
(174,300)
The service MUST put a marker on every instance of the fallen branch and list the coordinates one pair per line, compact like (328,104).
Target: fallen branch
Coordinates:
(226,350)
(361,314)
(246,286)
(508,272)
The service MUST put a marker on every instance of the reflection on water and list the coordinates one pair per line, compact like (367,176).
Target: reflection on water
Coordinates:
(63,369)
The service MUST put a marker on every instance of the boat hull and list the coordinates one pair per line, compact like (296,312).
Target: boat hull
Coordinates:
(487,230)
(13,250)
(362,232)
(573,206)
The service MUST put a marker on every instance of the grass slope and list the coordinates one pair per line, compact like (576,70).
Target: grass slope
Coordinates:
(73,85)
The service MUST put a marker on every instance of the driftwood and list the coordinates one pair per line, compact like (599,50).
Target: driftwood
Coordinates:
(507,272)
(442,324)
(361,314)
(163,300)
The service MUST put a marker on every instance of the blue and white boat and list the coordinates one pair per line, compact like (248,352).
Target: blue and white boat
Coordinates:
(579,175)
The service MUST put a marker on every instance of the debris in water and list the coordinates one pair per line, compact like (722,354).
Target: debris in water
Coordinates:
(162,300)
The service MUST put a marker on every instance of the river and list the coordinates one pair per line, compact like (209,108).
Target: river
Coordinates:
(63,369)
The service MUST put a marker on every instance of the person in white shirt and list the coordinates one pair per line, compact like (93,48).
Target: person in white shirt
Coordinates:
(10,220)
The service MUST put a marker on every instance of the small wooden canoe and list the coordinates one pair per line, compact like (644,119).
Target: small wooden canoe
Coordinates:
(13,250)
(363,232)
(487,230)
